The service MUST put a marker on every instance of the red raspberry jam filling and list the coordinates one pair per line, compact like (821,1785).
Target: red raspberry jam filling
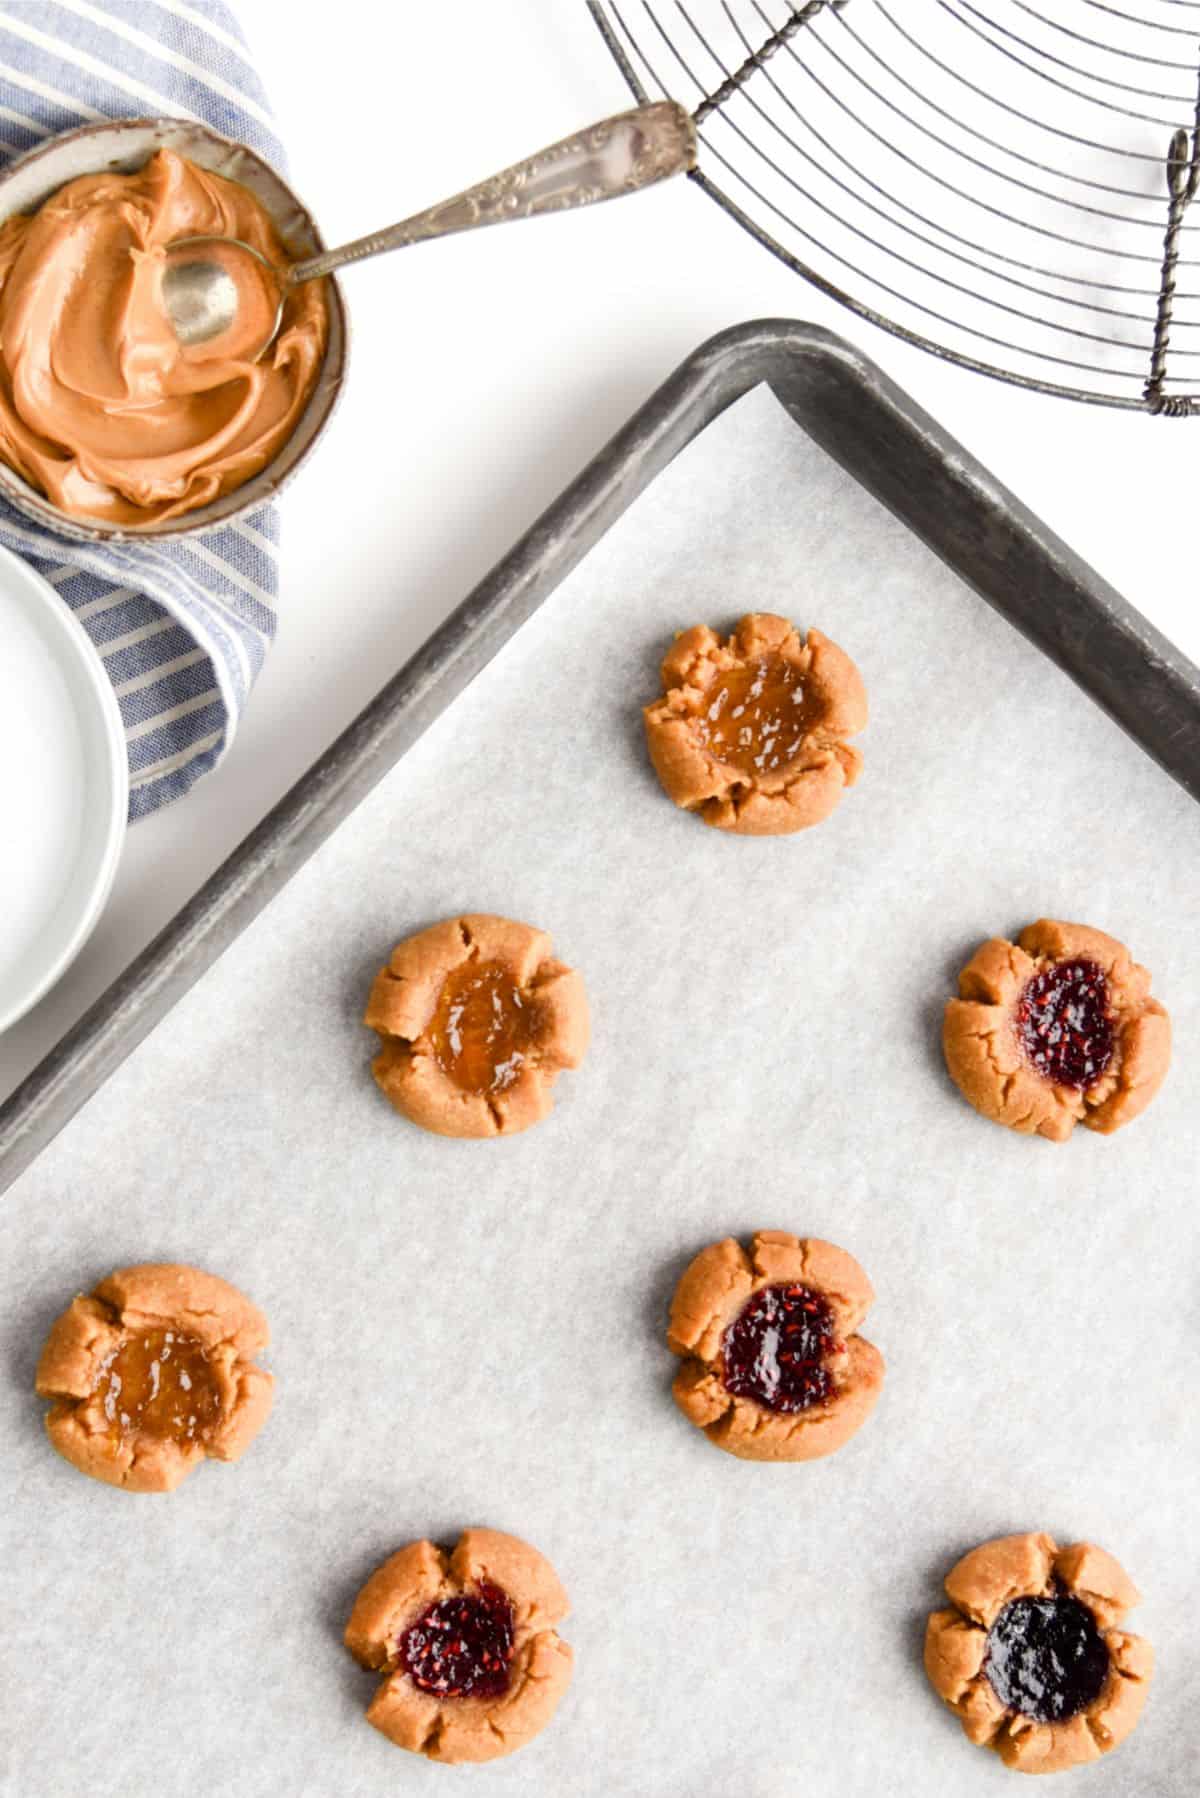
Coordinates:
(462,1647)
(1046,1658)
(774,1350)
(1064,1024)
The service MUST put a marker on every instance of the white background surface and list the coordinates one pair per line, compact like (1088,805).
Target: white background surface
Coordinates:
(486,370)
(473,1332)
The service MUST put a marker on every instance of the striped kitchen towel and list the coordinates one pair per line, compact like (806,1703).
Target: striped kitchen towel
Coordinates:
(183,627)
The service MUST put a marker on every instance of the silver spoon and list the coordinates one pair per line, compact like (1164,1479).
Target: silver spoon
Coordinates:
(616,156)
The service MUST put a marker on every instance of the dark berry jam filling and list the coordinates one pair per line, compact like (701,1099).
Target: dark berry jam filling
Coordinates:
(1046,1658)
(1064,1024)
(462,1647)
(774,1350)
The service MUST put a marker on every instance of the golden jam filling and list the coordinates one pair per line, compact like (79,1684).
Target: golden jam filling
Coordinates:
(756,716)
(160,1383)
(482,1028)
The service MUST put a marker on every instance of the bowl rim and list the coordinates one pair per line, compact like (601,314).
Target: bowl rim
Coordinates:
(70,643)
(262,488)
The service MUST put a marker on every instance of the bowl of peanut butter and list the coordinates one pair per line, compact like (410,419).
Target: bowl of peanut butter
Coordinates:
(109,426)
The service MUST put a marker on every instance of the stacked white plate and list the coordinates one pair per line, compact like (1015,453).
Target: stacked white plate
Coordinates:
(64,787)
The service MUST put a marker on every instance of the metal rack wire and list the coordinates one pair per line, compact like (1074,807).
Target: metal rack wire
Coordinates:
(1004,183)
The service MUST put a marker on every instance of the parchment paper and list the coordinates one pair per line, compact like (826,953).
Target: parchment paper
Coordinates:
(474,1332)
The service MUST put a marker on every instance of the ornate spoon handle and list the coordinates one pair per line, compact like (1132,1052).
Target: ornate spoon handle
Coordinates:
(617,156)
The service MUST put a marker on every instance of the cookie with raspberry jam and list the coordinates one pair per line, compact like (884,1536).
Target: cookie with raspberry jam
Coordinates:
(472,1663)
(773,1368)
(1054,1030)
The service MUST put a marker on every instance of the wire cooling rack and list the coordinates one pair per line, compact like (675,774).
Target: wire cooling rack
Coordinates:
(1005,183)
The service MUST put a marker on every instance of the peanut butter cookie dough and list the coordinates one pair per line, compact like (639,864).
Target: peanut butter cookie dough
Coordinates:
(473,1667)
(1033,1659)
(772,1368)
(751,733)
(153,1373)
(476,1020)
(1055,1030)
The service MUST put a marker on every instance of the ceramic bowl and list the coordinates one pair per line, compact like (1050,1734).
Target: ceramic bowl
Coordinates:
(64,786)
(126,144)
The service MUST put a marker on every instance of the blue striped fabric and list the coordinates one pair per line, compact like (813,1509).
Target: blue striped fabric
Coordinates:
(183,627)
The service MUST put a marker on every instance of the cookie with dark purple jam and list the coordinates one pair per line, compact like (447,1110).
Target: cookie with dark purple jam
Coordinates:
(1046,1658)
(1033,1657)
(1056,1029)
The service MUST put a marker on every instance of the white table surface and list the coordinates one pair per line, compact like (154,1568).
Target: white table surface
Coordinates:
(486,370)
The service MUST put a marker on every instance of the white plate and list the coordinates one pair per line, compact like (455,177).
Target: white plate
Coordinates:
(64,787)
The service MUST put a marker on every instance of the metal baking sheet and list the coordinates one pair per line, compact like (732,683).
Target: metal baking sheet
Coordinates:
(473,1332)
(861,419)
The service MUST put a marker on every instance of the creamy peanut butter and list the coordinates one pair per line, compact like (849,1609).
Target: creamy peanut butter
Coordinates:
(100,407)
